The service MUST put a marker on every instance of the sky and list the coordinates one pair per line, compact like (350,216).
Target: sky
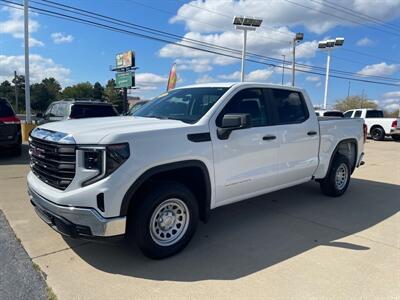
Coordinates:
(73,52)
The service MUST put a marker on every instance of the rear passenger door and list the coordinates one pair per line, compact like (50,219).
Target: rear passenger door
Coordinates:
(297,133)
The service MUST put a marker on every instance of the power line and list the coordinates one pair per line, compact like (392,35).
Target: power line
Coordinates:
(201,43)
(71,18)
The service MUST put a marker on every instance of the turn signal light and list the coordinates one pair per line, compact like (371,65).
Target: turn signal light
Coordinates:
(394,124)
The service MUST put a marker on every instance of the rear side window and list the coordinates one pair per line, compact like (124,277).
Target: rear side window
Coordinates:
(289,106)
(80,111)
(357,114)
(374,114)
(333,114)
(247,101)
(348,114)
(6,109)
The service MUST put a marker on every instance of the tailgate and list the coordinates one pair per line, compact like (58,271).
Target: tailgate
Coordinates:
(8,131)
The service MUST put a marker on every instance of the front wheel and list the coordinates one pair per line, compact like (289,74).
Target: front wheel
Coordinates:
(166,220)
(338,178)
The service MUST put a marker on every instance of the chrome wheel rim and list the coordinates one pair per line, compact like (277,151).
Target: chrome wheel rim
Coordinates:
(169,222)
(341,176)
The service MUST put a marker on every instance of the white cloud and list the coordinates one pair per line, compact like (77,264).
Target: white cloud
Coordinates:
(256,75)
(40,67)
(197,65)
(149,81)
(381,69)
(14,26)
(313,78)
(205,79)
(364,42)
(216,15)
(61,38)
(389,95)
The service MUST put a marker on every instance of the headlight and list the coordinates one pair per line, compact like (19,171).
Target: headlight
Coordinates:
(104,159)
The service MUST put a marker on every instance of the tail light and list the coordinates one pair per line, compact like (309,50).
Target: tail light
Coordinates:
(10,120)
(394,124)
(365,130)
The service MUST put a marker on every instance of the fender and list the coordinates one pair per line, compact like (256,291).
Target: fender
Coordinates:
(204,209)
(351,140)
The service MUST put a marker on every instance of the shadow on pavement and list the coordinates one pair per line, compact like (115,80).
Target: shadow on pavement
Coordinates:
(250,236)
(7,157)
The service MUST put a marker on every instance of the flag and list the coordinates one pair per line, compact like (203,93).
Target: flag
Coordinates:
(172,78)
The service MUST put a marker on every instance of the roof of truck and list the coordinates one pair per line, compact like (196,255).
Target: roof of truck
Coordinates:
(245,83)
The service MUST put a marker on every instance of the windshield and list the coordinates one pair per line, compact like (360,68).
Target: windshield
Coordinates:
(187,105)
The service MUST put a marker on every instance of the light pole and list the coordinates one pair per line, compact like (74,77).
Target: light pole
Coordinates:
(328,45)
(283,67)
(298,37)
(245,24)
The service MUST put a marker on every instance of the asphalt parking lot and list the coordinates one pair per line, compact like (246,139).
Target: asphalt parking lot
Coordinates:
(291,244)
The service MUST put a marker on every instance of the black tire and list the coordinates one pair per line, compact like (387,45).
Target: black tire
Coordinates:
(140,227)
(396,137)
(377,133)
(329,185)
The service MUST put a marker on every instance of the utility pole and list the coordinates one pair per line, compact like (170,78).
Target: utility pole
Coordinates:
(283,67)
(26,40)
(362,98)
(243,55)
(348,90)
(16,91)
(125,96)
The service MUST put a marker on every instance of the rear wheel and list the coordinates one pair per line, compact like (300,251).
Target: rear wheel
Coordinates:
(378,134)
(165,221)
(338,178)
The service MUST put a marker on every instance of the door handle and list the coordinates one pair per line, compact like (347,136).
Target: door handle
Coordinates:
(311,133)
(269,137)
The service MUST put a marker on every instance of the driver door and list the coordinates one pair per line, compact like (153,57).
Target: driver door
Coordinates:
(246,163)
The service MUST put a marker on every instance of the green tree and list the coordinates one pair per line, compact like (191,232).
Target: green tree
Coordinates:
(353,102)
(392,114)
(98,91)
(113,96)
(53,88)
(79,90)
(42,94)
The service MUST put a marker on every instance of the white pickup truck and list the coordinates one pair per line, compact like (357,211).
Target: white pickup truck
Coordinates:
(154,175)
(377,125)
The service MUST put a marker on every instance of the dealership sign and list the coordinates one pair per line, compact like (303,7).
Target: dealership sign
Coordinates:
(125,60)
(124,80)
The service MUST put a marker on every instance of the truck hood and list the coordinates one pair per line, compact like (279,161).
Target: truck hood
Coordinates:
(94,130)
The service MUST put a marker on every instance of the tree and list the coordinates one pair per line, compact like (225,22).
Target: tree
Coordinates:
(53,88)
(42,94)
(98,91)
(79,90)
(353,102)
(392,114)
(113,95)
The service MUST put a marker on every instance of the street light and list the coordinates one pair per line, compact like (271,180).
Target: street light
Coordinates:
(298,37)
(328,45)
(245,24)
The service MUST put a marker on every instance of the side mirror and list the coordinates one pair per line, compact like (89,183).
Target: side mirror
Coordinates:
(39,115)
(232,122)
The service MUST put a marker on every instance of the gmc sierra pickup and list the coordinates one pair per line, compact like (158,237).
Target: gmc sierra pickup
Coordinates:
(153,175)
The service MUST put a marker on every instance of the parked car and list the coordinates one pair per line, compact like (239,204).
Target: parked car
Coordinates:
(378,126)
(395,130)
(328,113)
(10,128)
(192,149)
(76,109)
(136,106)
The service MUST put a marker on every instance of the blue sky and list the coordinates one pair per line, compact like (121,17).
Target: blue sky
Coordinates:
(74,52)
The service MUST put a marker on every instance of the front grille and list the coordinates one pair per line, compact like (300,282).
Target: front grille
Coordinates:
(53,163)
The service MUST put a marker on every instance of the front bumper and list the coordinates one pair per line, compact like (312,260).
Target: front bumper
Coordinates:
(76,221)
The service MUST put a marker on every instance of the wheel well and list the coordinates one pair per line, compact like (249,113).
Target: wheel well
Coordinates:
(348,148)
(195,177)
(376,126)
